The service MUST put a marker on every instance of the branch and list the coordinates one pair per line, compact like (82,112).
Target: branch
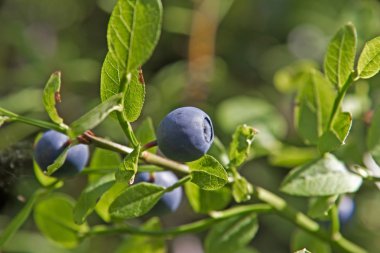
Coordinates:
(193,227)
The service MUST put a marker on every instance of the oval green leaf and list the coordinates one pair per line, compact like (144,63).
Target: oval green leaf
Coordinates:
(208,173)
(203,201)
(136,200)
(133,31)
(95,116)
(323,177)
(340,56)
(89,197)
(53,216)
(369,60)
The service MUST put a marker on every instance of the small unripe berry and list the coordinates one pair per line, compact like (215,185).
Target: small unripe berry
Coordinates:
(51,145)
(170,201)
(185,134)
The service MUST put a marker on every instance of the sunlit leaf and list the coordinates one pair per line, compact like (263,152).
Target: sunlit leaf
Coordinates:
(51,96)
(128,168)
(54,217)
(336,136)
(136,200)
(89,197)
(323,177)
(241,144)
(133,31)
(208,173)
(95,116)
(340,56)
(203,201)
(369,60)
(313,106)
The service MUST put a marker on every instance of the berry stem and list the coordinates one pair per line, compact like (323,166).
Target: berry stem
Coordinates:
(183,229)
(149,145)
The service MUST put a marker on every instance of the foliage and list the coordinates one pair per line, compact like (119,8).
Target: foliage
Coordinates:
(215,184)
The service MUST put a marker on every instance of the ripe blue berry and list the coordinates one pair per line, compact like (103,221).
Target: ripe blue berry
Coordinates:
(51,145)
(185,134)
(170,201)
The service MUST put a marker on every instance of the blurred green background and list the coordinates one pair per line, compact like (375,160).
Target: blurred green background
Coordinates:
(223,56)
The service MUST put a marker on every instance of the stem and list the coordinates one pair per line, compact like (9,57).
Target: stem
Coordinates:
(338,100)
(149,145)
(34,122)
(124,123)
(183,229)
(304,222)
(335,225)
(127,128)
(145,155)
(180,182)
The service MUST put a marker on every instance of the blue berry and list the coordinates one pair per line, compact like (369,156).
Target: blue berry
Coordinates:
(346,209)
(185,134)
(51,145)
(170,201)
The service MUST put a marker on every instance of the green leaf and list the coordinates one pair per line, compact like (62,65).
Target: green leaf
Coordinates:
(218,150)
(323,177)
(336,137)
(128,168)
(208,173)
(89,197)
(105,201)
(369,60)
(133,31)
(144,244)
(145,133)
(58,162)
(340,56)
(136,200)
(373,136)
(45,180)
(53,216)
(302,240)
(241,188)
(19,219)
(313,107)
(290,78)
(95,116)
(292,156)
(110,78)
(320,206)
(241,144)
(103,159)
(134,97)
(232,234)
(51,97)
(203,201)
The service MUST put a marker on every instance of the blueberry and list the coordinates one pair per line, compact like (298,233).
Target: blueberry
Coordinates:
(346,209)
(51,145)
(170,201)
(185,134)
